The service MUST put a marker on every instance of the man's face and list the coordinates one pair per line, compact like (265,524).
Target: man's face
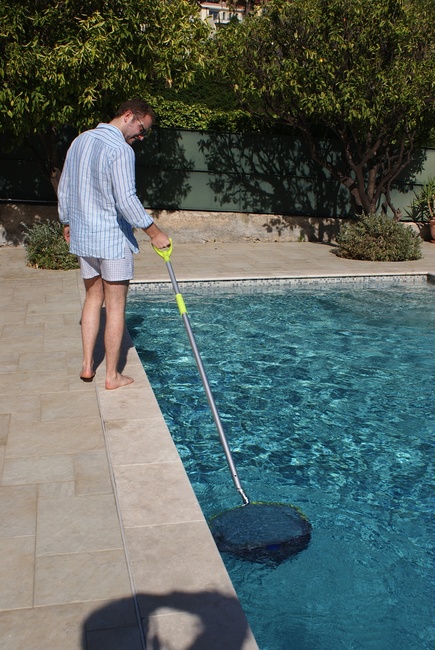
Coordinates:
(137,128)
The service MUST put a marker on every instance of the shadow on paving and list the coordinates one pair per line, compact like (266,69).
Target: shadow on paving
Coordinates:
(207,620)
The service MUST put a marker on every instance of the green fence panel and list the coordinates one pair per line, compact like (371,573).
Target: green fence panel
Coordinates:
(226,172)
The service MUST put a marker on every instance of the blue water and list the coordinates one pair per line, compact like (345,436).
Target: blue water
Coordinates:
(326,399)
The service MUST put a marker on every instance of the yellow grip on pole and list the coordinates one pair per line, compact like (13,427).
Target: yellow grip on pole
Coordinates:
(180,302)
(164,252)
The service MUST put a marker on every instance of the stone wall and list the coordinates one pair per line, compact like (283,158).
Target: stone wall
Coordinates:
(15,216)
(188,226)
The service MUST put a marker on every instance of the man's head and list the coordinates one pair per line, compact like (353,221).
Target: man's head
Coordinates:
(134,119)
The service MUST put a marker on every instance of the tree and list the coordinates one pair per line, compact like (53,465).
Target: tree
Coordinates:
(360,72)
(71,62)
(248,5)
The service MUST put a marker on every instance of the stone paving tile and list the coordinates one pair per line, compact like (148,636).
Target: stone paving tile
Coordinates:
(44,361)
(140,441)
(20,332)
(55,330)
(186,561)
(62,579)
(71,320)
(31,382)
(57,490)
(77,525)
(61,627)
(5,420)
(129,404)
(155,494)
(122,638)
(71,342)
(18,506)
(92,473)
(19,345)
(17,559)
(60,436)
(6,295)
(9,362)
(45,319)
(21,409)
(55,308)
(211,622)
(15,315)
(109,615)
(46,469)
(56,406)
(174,599)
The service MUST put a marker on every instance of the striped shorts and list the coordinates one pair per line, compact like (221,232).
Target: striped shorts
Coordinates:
(110,270)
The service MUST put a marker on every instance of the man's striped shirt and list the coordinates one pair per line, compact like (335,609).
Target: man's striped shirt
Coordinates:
(97,195)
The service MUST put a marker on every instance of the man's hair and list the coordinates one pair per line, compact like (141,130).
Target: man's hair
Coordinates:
(137,107)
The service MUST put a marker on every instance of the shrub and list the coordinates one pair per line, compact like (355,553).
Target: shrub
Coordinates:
(46,247)
(379,239)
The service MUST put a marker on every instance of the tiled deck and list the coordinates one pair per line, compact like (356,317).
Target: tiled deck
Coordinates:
(99,526)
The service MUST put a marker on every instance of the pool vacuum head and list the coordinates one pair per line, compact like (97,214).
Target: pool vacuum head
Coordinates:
(261,532)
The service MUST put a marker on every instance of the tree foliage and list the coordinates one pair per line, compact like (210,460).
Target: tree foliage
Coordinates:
(71,62)
(362,72)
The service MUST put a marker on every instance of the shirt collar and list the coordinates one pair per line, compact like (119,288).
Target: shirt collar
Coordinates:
(113,129)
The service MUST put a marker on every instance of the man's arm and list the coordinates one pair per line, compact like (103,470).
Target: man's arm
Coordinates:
(124,189)
(158,238)
(62,195)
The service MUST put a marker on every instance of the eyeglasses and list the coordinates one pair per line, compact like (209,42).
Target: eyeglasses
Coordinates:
(144,130)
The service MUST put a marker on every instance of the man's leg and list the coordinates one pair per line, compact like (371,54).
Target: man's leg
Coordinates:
(115,294)
(91,324)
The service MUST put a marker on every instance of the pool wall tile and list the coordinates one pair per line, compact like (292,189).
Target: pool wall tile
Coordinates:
(277,284)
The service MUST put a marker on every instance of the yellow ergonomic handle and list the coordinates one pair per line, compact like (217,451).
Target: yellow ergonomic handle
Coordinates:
(166,254)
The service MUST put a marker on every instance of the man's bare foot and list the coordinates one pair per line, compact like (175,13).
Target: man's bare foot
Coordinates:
(118,381)
(87,373)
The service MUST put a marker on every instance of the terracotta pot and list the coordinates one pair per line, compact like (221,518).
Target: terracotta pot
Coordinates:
(432,230)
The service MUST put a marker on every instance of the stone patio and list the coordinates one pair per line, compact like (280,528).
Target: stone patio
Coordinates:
(102,542)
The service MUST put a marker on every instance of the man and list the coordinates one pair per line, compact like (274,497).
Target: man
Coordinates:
(99,208)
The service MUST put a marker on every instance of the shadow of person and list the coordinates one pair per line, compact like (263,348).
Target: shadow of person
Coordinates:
(206,620)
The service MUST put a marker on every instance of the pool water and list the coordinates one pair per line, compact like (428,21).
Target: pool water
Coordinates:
(325,395)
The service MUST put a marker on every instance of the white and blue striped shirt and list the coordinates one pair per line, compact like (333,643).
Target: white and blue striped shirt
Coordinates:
(97,195)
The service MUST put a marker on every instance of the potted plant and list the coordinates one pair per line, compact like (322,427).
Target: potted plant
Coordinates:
(423,206)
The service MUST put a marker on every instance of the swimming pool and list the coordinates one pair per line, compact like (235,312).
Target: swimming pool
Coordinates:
(325,396)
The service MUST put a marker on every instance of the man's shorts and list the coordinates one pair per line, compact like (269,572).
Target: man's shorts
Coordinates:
(110,270)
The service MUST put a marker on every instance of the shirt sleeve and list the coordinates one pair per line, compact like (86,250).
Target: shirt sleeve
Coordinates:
(124,189)
(62,194)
